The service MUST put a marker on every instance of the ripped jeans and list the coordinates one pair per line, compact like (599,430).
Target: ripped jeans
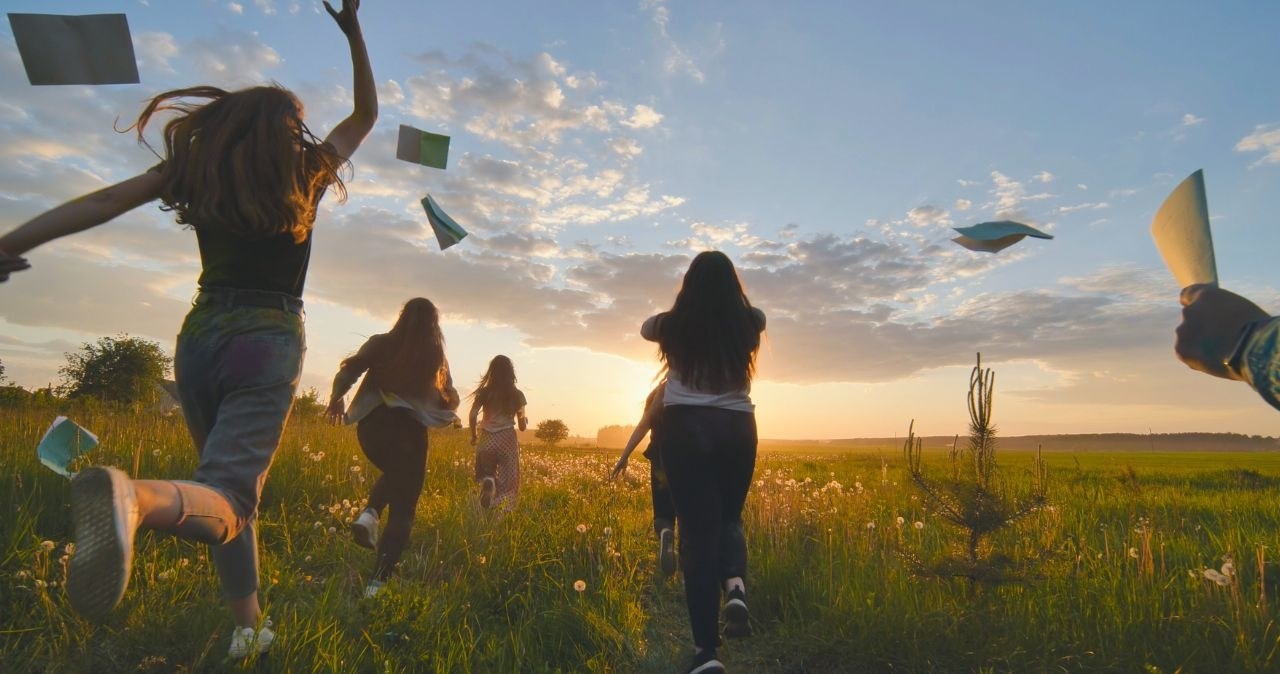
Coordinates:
(237,369)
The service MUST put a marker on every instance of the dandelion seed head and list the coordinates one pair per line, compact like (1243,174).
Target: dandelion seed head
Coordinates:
(1133,552)
(871,525)
(901,520)
(580,585)
(582,528)
(918,525)
(47,545)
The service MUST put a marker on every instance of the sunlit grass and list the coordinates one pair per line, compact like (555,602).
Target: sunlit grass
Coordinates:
(567,581)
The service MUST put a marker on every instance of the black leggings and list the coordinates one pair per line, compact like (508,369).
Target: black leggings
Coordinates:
(397,444)
(664,512)
(709,455)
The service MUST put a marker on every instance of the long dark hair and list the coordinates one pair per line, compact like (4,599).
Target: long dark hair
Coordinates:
(243,161)
(497,390)
(410,359)
(710,337)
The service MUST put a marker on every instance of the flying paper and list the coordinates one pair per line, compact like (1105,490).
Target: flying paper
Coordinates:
(422,147)
(87,49)
(991,237)
(1181,232)
(63,442)
(447,231)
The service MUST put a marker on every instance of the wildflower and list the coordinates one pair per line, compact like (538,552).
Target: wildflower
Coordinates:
(70,548)
(355,469)
(40,583)
(901,521)
(21,574)
(165,575)
(481,559)
(332,530)
(580,585)
(582,528)
(1228,568)
(918,525)
(1216,577)
(608,531)
(184,562)
(317,525)
(155,452)
(47,545)
(346,503)
(1133,552)
(871,525)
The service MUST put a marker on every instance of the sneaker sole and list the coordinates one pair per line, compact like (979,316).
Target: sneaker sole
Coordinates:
(709,667)
(667,552)
(736,624)
(363,536)
(97,574)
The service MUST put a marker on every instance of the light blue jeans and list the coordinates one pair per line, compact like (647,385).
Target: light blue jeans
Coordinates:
(237,369)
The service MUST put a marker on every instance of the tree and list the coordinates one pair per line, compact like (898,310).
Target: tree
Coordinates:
(614,436)
(551,431)
(1,372)
(120,369)
(308,404)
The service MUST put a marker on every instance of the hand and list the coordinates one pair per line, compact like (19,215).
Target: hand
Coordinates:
(1212,319)
(618,468)
(11,263)
(473,439)
(335,411)
(523,423)
(347,19)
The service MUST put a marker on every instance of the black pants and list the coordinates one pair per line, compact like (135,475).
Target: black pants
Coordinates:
(397,444)
(664,511)
(709,455)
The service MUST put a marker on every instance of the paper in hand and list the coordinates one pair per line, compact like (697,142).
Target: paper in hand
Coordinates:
(1181,232)
(992,237)
(447,231)
(422,147)
(86,49)
(63,442)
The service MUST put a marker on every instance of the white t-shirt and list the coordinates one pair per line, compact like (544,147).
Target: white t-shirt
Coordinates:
(678,393)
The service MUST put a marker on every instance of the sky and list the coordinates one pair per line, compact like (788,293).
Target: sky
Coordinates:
(827,147)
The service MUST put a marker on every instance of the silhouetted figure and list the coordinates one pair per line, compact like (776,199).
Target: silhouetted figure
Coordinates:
(498,453)
(664,512)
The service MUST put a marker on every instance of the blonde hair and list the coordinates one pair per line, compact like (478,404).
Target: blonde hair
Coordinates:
(243,161)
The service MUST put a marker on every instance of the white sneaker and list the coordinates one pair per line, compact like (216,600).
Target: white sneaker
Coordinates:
(365,529)
(104,515)
(246,641)
(373,588)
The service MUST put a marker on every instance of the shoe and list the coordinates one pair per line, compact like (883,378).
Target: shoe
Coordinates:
(706,663)
(736,624)
(667,552)
(374,588)
(365,529)
(488,488)
(246,641)
(104,516)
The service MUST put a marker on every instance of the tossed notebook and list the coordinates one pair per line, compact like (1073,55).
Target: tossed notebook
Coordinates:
(992,237)
(62,443)
(422,147)
(1181,232)
(447,231)
(84,49)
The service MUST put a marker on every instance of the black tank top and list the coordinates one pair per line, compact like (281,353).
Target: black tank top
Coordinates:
(276,263)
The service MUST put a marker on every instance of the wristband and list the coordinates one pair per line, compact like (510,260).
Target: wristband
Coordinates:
(1233,361)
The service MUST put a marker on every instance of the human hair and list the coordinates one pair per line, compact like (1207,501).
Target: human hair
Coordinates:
(710,337)
(410,358)
(244,161)
(497,390)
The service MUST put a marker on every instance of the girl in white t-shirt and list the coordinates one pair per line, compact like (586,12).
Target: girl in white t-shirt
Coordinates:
(708,342)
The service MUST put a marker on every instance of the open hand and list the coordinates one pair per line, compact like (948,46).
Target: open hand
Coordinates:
(11,263)
(347,20)
(618,468)
(1212,319)
(335,412)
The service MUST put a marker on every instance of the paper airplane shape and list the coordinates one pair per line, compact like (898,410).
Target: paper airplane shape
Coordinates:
(992,237)
(422,147)
(447,231)
(63,442)
(1181,232)
(84,49)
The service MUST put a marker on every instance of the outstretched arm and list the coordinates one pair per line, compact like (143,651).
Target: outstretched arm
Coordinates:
(74,216)
(350,132)
(642,429)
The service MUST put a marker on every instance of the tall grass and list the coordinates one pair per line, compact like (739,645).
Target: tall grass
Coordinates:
(1117,558)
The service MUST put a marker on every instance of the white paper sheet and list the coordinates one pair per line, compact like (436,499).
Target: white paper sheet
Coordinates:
(1181,232)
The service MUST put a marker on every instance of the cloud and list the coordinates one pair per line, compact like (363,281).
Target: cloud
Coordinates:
(267,7)
(154,51)
(1044,177)
(676,59)
(1266,139)
(924,216)
(232,59)
(963,204)
(643,117)
(1095,206)
(235,7)
(1191,120)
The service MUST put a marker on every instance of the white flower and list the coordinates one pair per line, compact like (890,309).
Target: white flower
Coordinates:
(918,525)
(1229,569)
(901,520)
(871,525)
(582,529)
(608,531)
(47,545)
(1133,552)
(580,585)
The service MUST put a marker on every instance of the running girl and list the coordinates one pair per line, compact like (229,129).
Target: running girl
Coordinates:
(498,454)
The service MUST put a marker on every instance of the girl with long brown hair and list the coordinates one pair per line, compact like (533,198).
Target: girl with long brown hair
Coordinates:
(498,455)
(242,170)
(407,389)
(708,343)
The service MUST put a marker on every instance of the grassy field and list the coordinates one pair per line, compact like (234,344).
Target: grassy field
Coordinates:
(1114,568)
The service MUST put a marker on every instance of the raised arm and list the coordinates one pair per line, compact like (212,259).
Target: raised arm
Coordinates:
(473,418)
(350,132)
(74,216)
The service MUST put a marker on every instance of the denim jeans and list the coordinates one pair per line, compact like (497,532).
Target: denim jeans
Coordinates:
(237,369)
(709,455)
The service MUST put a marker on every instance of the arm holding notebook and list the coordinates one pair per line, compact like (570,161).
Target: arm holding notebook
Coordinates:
(1228,336)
